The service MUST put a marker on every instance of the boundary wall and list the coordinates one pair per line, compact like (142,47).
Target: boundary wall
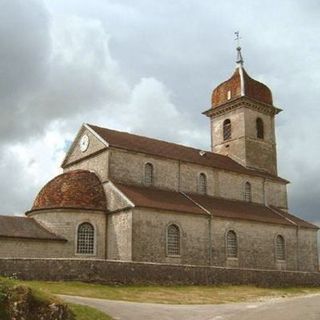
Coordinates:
(116,272)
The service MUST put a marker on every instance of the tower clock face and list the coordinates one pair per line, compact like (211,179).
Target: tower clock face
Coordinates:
(84,143)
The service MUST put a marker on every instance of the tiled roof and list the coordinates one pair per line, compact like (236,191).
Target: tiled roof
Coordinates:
(233,209)
(200,204)
(240,84)
(26,228)
(77,189)
(174,151)
(159,199)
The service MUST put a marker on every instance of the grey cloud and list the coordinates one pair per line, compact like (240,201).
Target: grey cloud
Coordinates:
(184,48)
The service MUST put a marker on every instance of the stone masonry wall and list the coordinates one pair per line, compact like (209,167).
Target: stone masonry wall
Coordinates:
(256,241)
(25,248)
(128,167)
(64,222)
(149,237)
(119,235)
(113,272)
(95,158)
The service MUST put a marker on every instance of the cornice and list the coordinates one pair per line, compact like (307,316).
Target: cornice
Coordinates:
(242,102)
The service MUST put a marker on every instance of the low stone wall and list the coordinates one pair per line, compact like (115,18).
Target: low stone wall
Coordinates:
(115,272)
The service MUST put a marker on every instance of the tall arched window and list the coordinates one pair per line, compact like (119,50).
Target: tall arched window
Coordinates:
(260,128)
(226,129)
(247,192)
(148,174)
(202,183)
(232,244)
(173,240)
(85,238)
(280,248)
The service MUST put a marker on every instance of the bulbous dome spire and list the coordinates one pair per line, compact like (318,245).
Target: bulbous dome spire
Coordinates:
(240,85)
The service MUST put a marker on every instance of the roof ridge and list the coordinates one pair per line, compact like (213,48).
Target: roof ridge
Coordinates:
(157,139)
(237,166)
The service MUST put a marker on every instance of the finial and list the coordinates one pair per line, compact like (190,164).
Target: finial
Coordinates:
(239,60)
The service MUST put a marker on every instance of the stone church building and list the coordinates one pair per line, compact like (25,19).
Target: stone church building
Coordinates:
(132,198)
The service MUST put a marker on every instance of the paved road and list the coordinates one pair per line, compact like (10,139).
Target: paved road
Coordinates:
(298,308)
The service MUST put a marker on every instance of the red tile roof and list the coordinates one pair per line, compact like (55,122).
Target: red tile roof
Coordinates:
(159,199)
(175,151)
(252,89)
(77,189)
(234,209)
(200,204)
(26,228)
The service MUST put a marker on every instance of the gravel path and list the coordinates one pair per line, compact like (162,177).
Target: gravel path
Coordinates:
(297,308)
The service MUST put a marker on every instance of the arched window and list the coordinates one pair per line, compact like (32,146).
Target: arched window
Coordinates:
(173,240)
(280,248)
(226,129)
(260,128)
(202,183)
(232,244)
(247,192)
(85,238)
(148,174)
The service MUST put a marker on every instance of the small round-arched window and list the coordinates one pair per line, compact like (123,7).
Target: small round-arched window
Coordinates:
(85,238)
(226,129)
(148,174)
(247,192)
(260,128)
(280,248)
(202,183)
(173,240)
(232,244)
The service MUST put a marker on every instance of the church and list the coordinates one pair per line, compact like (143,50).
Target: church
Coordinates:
(127,197)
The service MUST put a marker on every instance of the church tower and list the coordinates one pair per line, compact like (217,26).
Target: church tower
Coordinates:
(242,118)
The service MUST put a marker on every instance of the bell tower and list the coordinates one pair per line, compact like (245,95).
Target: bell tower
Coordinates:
(242,118)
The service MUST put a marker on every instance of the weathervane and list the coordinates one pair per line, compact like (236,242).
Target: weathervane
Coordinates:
(239,55)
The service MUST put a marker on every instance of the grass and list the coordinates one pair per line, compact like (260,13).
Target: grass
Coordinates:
(45,297)
(87,313)
(169,294)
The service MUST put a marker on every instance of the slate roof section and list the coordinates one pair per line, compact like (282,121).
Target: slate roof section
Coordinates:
(132,142)
(25,228)
(201,204)
(77,189)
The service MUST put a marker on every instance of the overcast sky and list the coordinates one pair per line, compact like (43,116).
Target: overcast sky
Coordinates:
(149,67)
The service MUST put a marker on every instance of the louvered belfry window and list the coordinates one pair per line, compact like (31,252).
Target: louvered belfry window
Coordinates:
(280,248)
(202,183)
(148,174)
(173,240)
(226,129)
(247,192)
(260,128)
(85,240)
(232,244)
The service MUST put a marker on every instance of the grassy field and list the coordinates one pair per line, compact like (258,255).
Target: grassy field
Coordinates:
(45,297)
(169,294)
(87,313)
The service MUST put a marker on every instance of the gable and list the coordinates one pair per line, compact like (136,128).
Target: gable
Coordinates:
(94,145)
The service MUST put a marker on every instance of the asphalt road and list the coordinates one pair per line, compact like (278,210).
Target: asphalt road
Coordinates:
(298,308)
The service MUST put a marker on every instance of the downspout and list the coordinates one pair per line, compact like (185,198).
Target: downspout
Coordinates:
(297,235)
(209,224)
(179,175)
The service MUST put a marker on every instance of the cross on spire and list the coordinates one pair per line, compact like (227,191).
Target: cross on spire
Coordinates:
(239,55)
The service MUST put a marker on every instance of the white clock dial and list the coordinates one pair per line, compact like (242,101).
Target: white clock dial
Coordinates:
(84,143)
